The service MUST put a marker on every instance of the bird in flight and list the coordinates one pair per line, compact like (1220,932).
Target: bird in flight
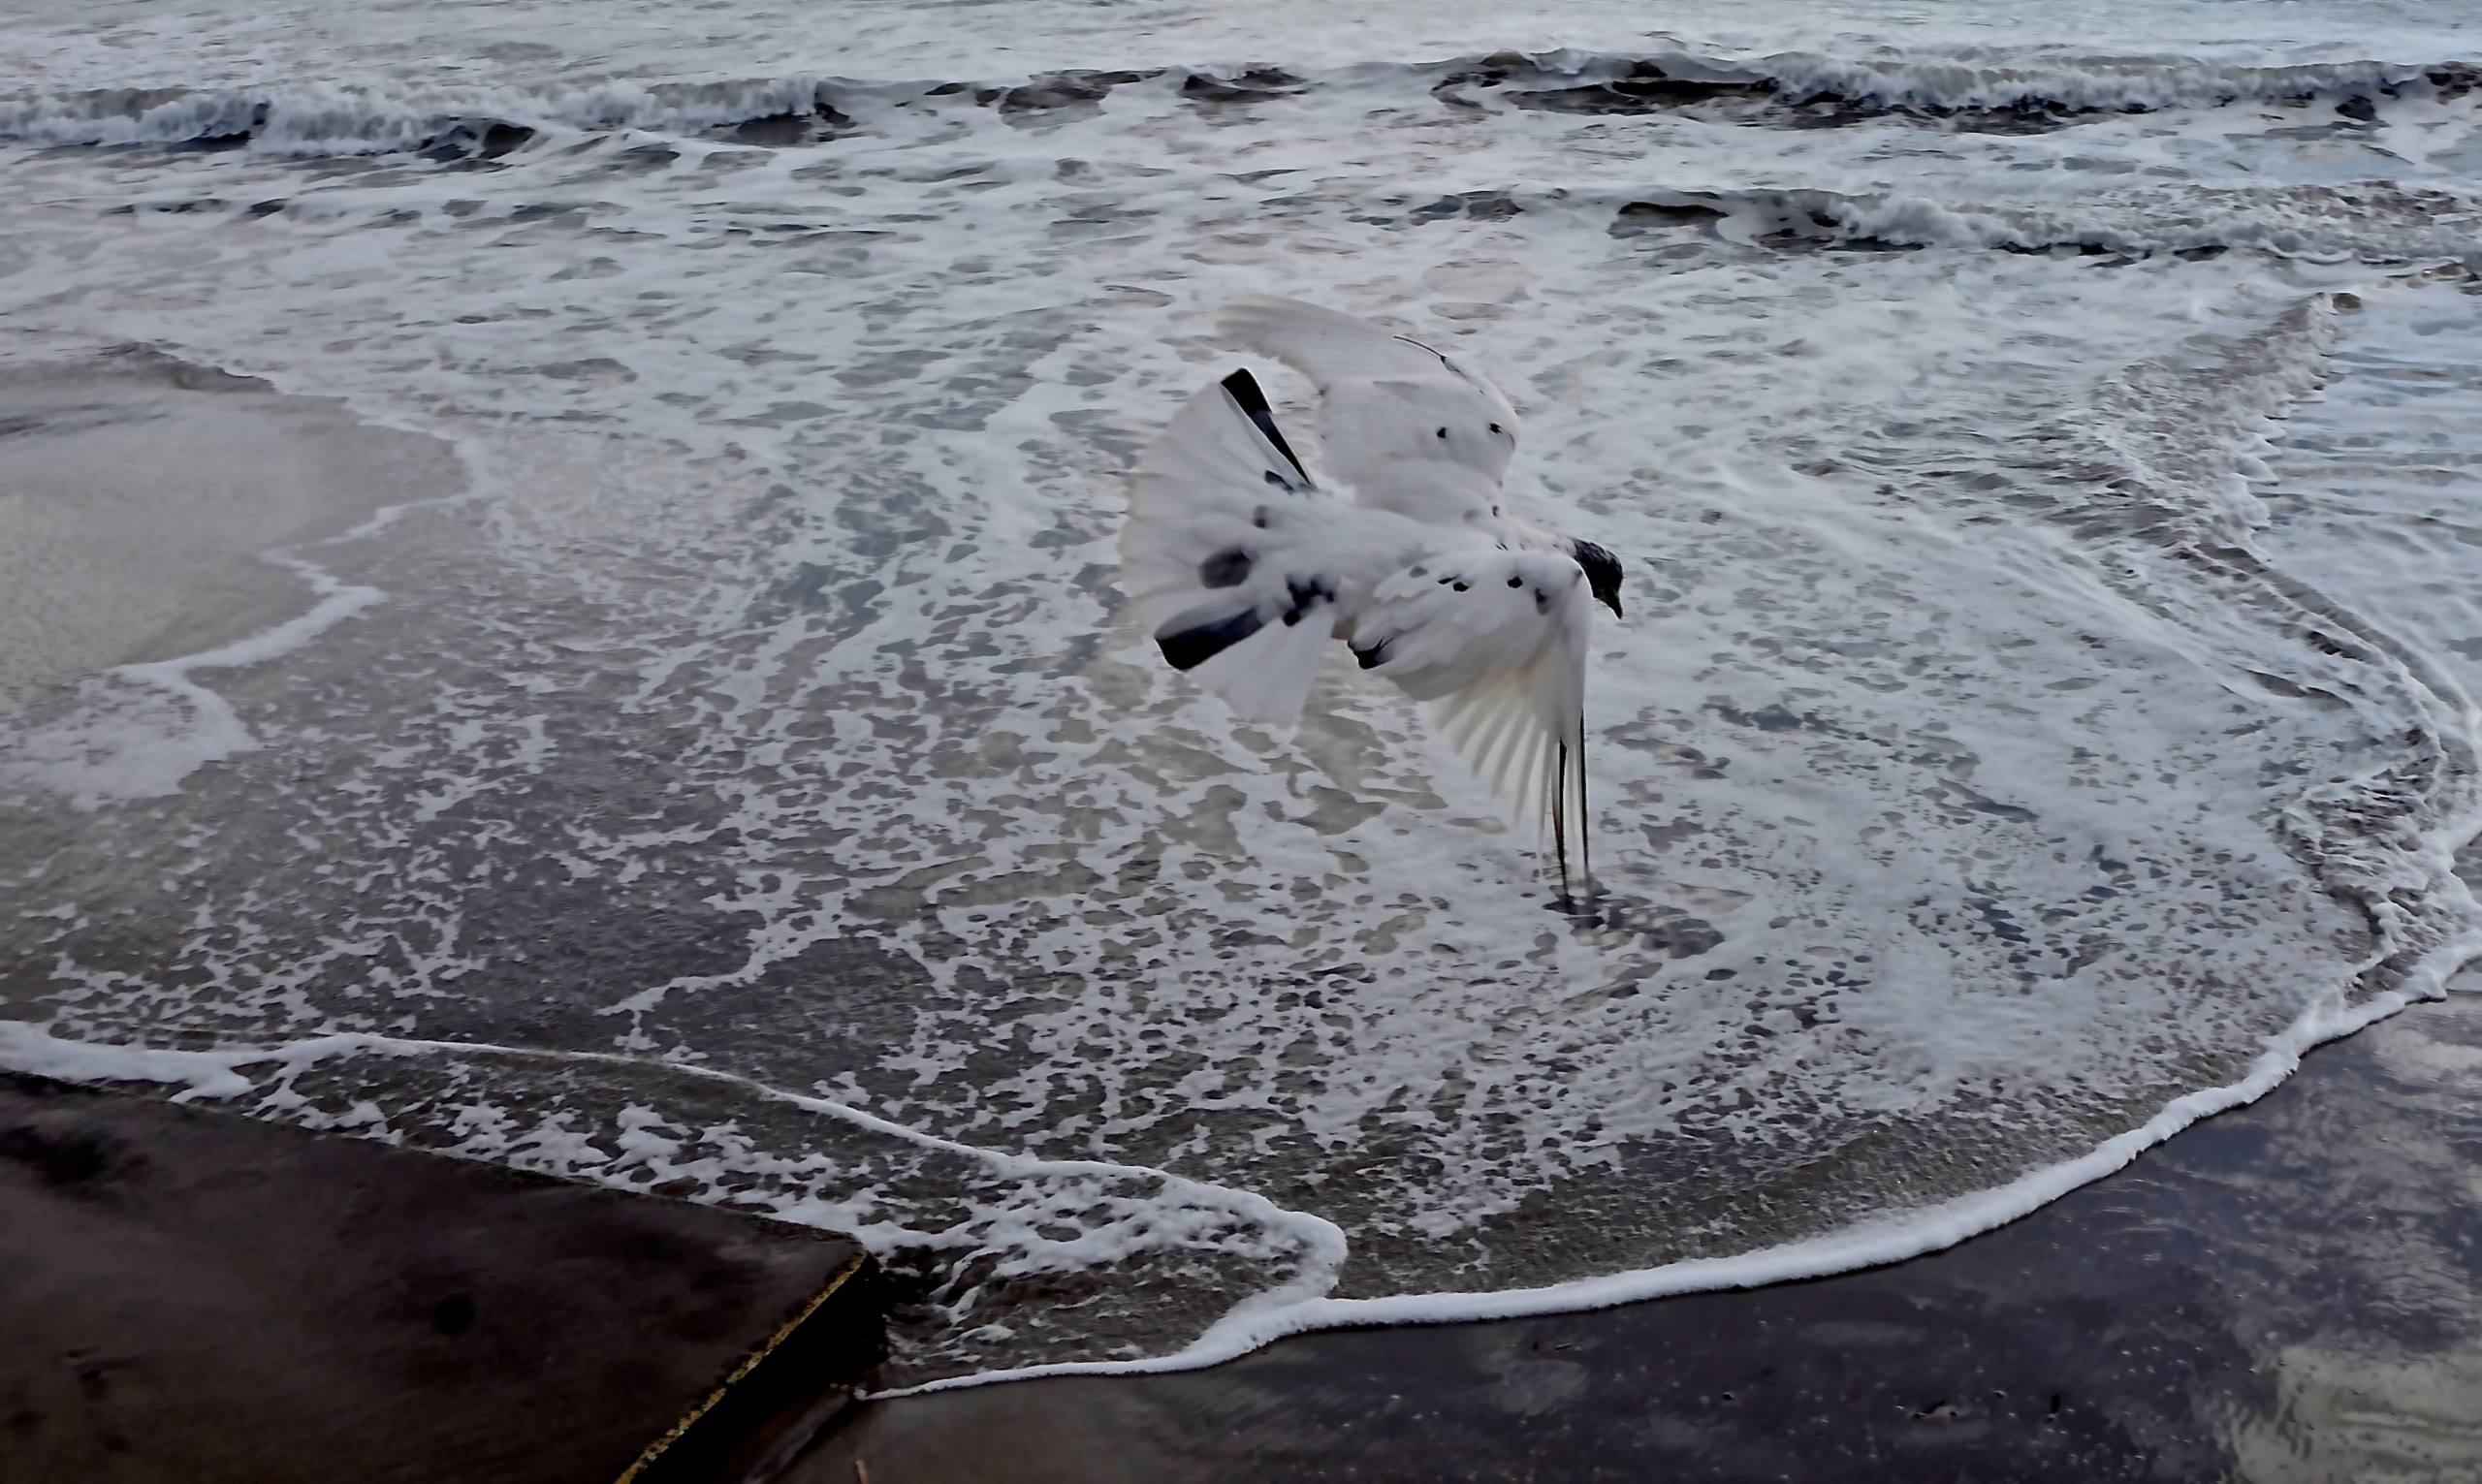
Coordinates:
(1243,566)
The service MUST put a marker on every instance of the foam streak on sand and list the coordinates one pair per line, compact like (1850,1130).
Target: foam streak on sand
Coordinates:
(200,512)
(2044,711)
(1867,1245)
(118,746)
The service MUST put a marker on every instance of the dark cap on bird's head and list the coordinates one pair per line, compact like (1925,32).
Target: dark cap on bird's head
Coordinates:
(1603,573)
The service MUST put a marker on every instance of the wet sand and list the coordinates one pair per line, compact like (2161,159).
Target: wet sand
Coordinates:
(137,492)
(2286,1294)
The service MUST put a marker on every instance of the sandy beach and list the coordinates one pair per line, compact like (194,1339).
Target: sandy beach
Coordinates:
(141,494)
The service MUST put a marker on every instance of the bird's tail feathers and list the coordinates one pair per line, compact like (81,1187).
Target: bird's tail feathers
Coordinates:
(1261,666)
(1217,510)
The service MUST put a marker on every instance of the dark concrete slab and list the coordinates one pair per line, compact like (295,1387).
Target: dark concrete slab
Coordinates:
(2287,1294)
(198,1297)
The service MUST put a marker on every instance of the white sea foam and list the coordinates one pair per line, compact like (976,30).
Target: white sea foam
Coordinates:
(1867,1243)
(156,42)
(122,742)
(1983,777)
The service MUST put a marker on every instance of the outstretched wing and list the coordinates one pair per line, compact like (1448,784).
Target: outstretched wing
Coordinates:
(1410,428)
(1235,561)
(1498,641)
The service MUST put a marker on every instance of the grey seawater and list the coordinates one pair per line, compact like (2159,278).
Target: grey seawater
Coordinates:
(739,783)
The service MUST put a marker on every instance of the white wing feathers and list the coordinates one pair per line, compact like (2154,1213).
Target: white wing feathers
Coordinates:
(1498,641)
(1410,429)
(1242,570)
(1215,556)
(1202,488)
(1322,344)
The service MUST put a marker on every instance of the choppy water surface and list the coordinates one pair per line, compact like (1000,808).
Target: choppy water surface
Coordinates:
(740,785)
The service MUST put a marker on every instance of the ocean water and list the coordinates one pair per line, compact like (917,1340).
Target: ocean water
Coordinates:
(2042,439)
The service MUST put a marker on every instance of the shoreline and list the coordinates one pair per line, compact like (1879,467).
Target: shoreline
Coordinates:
(2290,1293)
(1919,1234)
(2287,1291)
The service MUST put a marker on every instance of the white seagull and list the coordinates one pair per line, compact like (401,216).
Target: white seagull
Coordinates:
(1242,567)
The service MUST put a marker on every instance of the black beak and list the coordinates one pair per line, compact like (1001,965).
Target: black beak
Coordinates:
(1612,601)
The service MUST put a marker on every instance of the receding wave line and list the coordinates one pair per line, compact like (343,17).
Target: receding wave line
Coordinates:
(2365,221)
(1792,89)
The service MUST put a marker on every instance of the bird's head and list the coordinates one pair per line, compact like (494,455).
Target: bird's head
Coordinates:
(1603,573)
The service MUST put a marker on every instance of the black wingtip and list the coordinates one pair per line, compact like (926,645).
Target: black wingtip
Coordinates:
(1252,403)
(1194,644)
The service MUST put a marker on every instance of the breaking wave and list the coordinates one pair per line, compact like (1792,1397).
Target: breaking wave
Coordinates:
(1797,89)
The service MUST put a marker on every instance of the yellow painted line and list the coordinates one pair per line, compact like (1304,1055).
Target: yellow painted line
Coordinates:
(783,1332)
